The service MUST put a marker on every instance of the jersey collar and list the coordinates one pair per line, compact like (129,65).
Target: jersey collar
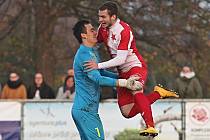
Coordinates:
(83,47)
(115,24)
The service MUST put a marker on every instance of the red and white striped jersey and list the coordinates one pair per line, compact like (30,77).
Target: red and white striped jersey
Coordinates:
(120,37)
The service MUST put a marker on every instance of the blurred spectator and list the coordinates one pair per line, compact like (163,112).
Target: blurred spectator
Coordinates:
(14,88)
(70,72)
(40,89)
(208,42)
(0,89)
(187,85)
(67,90)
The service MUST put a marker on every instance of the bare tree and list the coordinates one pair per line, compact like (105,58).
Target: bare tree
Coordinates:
(166,31)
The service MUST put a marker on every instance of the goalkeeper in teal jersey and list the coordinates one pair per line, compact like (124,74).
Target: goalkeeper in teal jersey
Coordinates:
(87,84)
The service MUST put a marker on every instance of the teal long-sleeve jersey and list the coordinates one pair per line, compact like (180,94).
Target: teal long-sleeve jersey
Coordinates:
(87,83)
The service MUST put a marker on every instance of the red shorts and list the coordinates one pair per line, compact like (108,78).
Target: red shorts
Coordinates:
(123,94)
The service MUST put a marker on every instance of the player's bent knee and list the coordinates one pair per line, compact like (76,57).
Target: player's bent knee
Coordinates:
(125,110)
(126,115)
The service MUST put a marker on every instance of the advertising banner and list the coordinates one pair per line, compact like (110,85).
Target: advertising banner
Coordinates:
(47,121)
(197,120)
(53,121)
(10,120)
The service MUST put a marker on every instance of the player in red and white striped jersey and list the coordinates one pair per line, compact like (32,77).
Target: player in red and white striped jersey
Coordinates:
(120,42)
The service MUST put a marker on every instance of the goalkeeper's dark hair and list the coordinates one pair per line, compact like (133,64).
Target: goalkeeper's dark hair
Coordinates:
(80,28)
(111,7)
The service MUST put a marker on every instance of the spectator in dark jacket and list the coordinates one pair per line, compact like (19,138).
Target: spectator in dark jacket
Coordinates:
(40,89)
(0,89)
(187,85)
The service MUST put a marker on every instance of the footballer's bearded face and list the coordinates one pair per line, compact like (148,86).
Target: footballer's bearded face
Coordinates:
(105,19)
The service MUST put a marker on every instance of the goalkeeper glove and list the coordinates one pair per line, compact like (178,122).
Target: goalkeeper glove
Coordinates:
(131,83)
